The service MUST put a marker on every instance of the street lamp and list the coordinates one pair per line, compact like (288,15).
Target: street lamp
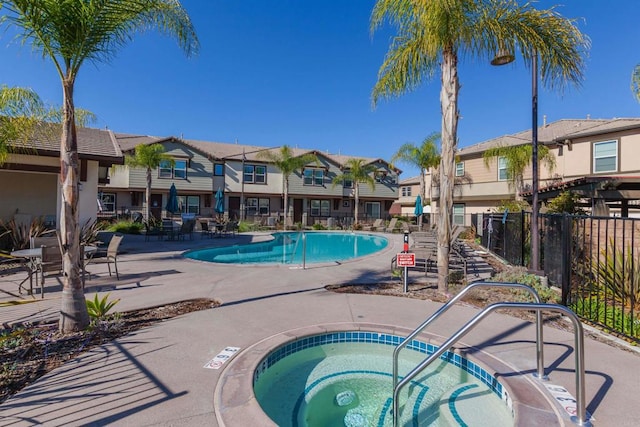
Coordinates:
(504,57)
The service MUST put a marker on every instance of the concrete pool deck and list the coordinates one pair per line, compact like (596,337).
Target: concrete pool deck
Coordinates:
(156,376)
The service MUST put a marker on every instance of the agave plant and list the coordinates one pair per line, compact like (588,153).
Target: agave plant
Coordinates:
(617,272)
(99,308)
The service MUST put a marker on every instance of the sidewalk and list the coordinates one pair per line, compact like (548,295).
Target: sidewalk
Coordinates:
(155,377)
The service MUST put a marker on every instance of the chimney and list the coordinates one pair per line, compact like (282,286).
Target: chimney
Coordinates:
(588,116)
(544,120)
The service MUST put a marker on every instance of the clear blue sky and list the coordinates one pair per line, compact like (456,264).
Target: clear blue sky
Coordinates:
(297,72)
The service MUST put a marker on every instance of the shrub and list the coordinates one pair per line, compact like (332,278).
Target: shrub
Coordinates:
(126,227)
(20,233)
(565,202)
(596,310)
(520,275)
(318,226)
(617,272)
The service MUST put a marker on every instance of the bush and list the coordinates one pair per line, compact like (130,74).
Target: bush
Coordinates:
(566,202)
(318,226)
(126,227)
(520,275)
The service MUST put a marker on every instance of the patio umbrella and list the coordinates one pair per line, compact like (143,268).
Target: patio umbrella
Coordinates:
(219,201)
(418,211)
(172,200)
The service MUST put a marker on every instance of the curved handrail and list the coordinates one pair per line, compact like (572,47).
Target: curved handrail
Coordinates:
(447,306)
(538,307)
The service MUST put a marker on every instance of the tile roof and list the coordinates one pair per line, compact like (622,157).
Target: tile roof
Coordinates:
(554,131)
(95,144)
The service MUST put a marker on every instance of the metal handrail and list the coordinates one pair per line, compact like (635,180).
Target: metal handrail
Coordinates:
(447,306)
(580,419)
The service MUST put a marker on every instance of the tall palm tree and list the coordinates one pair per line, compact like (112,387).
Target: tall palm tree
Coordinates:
(517,158)
(21,110)
(434,33)
(287,163)
(149,157)
(425,156)
(359,172)
(69,33)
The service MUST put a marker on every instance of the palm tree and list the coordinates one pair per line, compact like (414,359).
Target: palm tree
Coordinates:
(21,110)
(424,157)
(287,163)
(635,82)
(69,33)
(359,172)
(149,157)
(517,158)
(434,33)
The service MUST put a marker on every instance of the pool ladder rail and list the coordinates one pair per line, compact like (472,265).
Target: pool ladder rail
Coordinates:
(581,416)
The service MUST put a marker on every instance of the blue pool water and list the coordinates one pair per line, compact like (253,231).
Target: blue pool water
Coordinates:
(287,248)
(344,379)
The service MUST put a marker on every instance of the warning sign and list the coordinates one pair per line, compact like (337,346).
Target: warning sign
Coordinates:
(406,260)
(221,358)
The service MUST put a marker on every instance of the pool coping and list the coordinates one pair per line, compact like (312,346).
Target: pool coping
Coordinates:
(236,404)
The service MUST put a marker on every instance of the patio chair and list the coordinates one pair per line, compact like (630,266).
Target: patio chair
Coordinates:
(230,228)
(392,225)
(50,261)
(112,253)
(206,231)
(377,224)
(186,228)
(151,230)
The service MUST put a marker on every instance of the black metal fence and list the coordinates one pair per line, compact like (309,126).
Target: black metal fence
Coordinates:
(505,235)
(594,260)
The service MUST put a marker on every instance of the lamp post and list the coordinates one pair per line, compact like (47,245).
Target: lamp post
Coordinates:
(504,57)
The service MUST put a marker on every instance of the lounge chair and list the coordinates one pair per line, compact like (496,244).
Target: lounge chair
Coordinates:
(392,225)
(230,228)
(377,224)
(187,229)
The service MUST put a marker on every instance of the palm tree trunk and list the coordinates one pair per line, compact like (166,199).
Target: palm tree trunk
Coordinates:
(286,202)
(355,208)
(147,194)
(449,106)
(73,312)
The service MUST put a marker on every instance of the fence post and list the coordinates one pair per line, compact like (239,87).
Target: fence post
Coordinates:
(566,257)
(523,238)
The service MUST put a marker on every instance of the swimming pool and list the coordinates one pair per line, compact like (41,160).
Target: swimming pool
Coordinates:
(343,378)
(291,247)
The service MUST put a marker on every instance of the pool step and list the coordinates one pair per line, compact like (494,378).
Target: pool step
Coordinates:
(468,404)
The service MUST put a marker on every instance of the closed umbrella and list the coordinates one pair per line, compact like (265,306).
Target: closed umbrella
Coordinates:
(219,201)
(418,211)
(172,200)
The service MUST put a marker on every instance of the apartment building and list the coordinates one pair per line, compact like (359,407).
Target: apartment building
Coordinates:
(595,157)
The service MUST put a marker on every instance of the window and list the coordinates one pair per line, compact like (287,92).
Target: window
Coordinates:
(177,171)
(502,168)
(257,206)
(255,174)
(372,209)
(458,214)
(136,198)
(218,169)
(314,177)
(320,207)
(189,204)
(347,183)
(107,203)
(605,156)
(405,191)
(460,169)
(165,170)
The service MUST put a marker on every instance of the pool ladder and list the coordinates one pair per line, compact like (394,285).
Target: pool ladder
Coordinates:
(537,306)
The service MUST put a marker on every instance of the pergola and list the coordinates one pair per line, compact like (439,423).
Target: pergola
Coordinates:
(604,192)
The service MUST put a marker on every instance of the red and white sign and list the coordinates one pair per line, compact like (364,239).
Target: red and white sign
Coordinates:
(406,260)
(221,358)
